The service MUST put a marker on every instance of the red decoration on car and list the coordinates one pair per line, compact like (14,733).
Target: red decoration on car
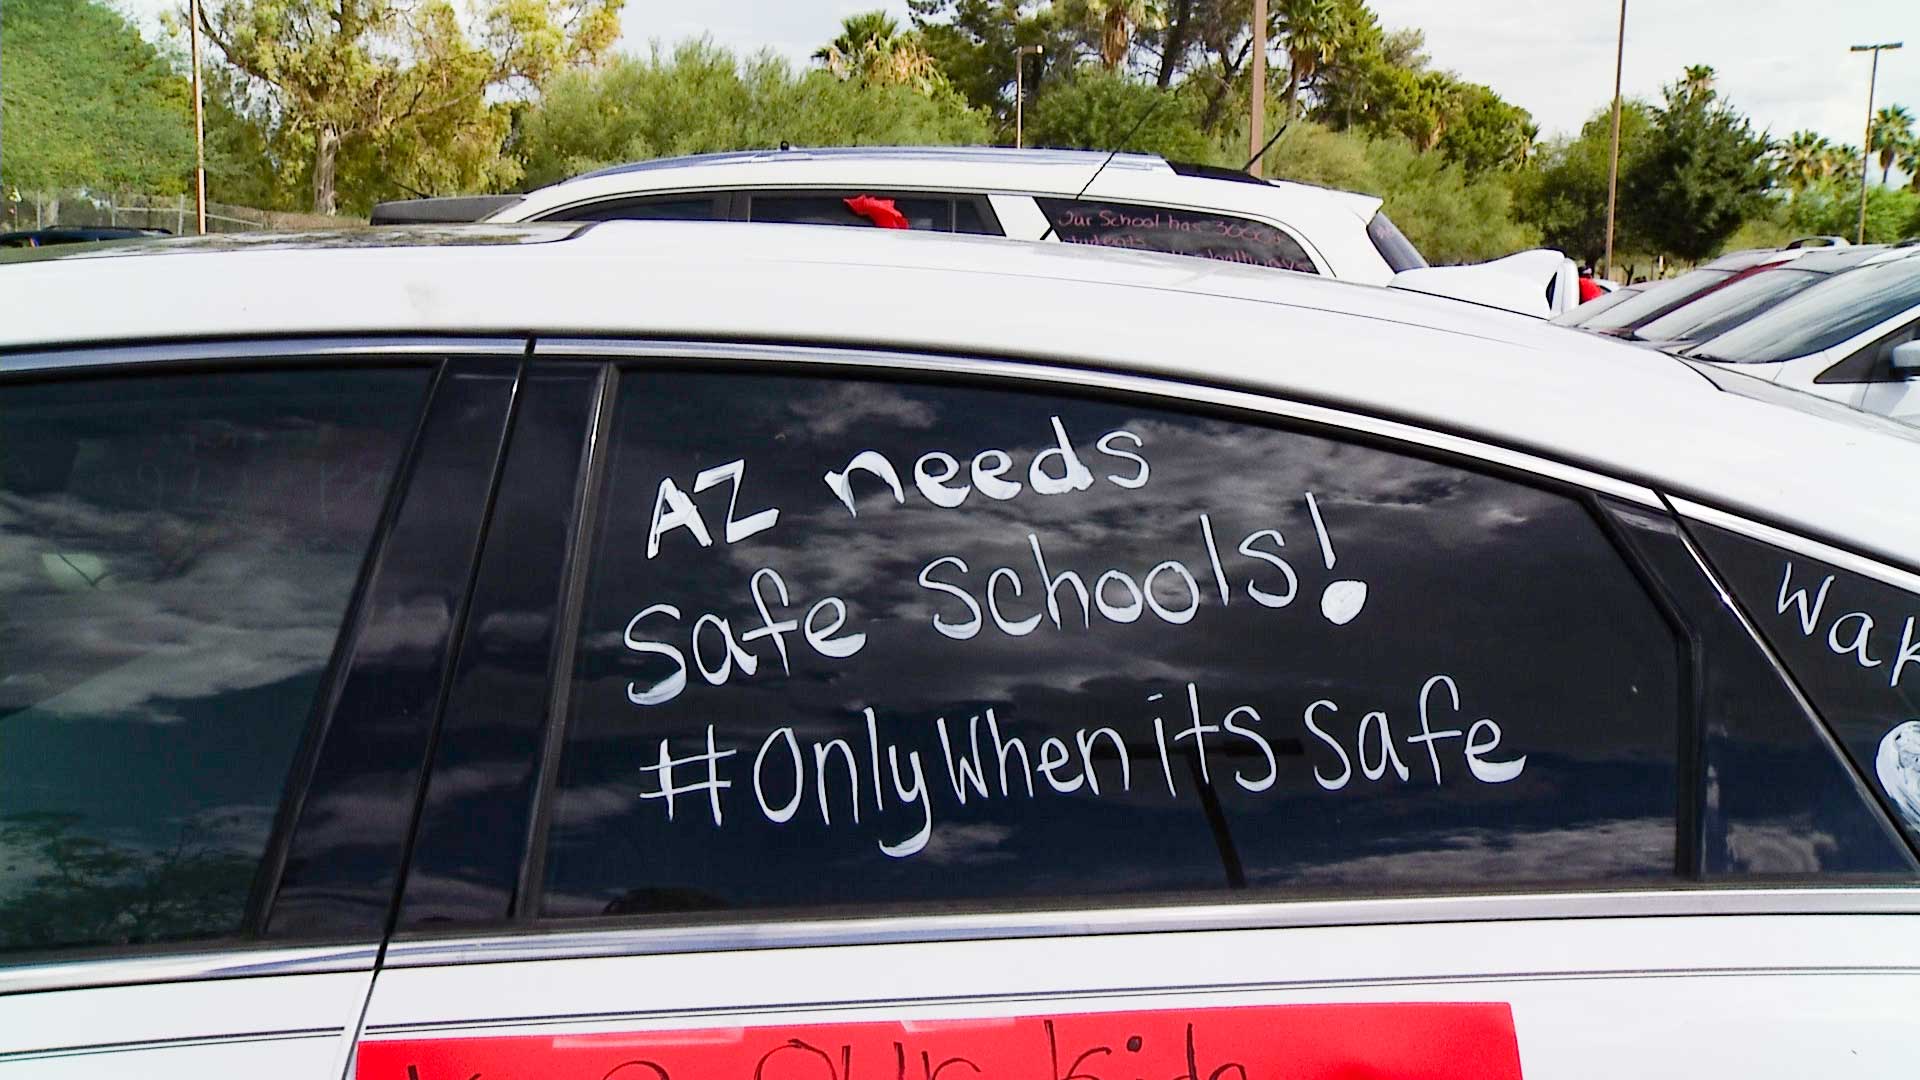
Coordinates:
(880,211)
(1398,1041)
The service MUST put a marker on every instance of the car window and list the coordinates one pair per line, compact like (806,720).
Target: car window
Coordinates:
(659,208)
(1726,308)
(176,555)
(1836,310)
(1872,362)
(1393,245)
(1656,300)
(1579,315)
(1178,232)
(926,213)
(856,643)
(1853,643)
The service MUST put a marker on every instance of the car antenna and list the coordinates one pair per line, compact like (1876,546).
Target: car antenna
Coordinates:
(1269,145)
(1111,154)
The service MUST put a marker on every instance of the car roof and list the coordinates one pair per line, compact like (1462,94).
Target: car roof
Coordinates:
(946,168)
(1628,412)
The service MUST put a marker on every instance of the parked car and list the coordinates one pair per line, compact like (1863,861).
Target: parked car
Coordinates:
(1727,307)
(1661,297)
(1850,338)
(1139,202)
(667,650)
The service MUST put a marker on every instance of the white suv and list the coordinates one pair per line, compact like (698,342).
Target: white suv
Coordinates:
(1129,201)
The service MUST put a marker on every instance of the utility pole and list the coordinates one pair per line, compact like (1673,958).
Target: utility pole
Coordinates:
(1257,120)
(1866,144)
(199,124)
(1613,147)
(1020,92)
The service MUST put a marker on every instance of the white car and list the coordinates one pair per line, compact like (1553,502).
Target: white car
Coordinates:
(1131,201)
(1854,338)
(647,651)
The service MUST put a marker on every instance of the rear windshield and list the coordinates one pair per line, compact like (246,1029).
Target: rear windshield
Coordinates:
(1839,308)
(1726,308)
(1393,244)
(1657,300)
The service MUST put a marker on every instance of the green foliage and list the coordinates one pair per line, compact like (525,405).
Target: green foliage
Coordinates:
(1701,173)
(1832,208)
(702,98)
(89,103)
(1099,110)
(1449,213)
(974,43)
(1565,196)
(382,97)
(1487,133)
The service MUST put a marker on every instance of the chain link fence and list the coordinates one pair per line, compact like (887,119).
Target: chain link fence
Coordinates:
(173,213)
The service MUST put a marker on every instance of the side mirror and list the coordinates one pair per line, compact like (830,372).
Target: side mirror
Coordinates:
(1905,360)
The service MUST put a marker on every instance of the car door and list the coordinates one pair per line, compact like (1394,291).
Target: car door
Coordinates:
(228,575)
(826,715)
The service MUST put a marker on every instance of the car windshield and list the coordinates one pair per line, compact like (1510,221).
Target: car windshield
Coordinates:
(1579,316)
(1726,308)
(1658,300)
(1837,309)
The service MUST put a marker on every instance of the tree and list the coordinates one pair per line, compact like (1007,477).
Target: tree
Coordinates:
(1802,160)
(1103,110)
(1310,34)
(1702,173)
(974,41)
(1892,136)
(89,103)
(702,98)
(404,91)
(1565,195)
(1117,21)
(871,48)
(1487,133)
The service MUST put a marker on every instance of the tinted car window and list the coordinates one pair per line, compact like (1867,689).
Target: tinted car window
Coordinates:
(1393,244)
(687,208)
(936,213)
(1776,797)
(1842,307)
(1854,645)
(855,643)
(1657,300)
(1178,232)
(1726,308)
(176,556)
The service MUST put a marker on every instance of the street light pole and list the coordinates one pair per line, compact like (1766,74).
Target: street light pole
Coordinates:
(1866,144)
(1257,120)
(199,124)
(1613,147)
(1020,55)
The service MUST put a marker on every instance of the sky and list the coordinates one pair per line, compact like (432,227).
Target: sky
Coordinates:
(1782,62)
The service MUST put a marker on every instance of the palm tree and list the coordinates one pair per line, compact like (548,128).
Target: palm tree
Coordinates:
(871,47)
(1802,159)
(1118,22)
(1309,32)
(868,30)
(1892,135)
(1696,82)
(1910,164)
(1840,161)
